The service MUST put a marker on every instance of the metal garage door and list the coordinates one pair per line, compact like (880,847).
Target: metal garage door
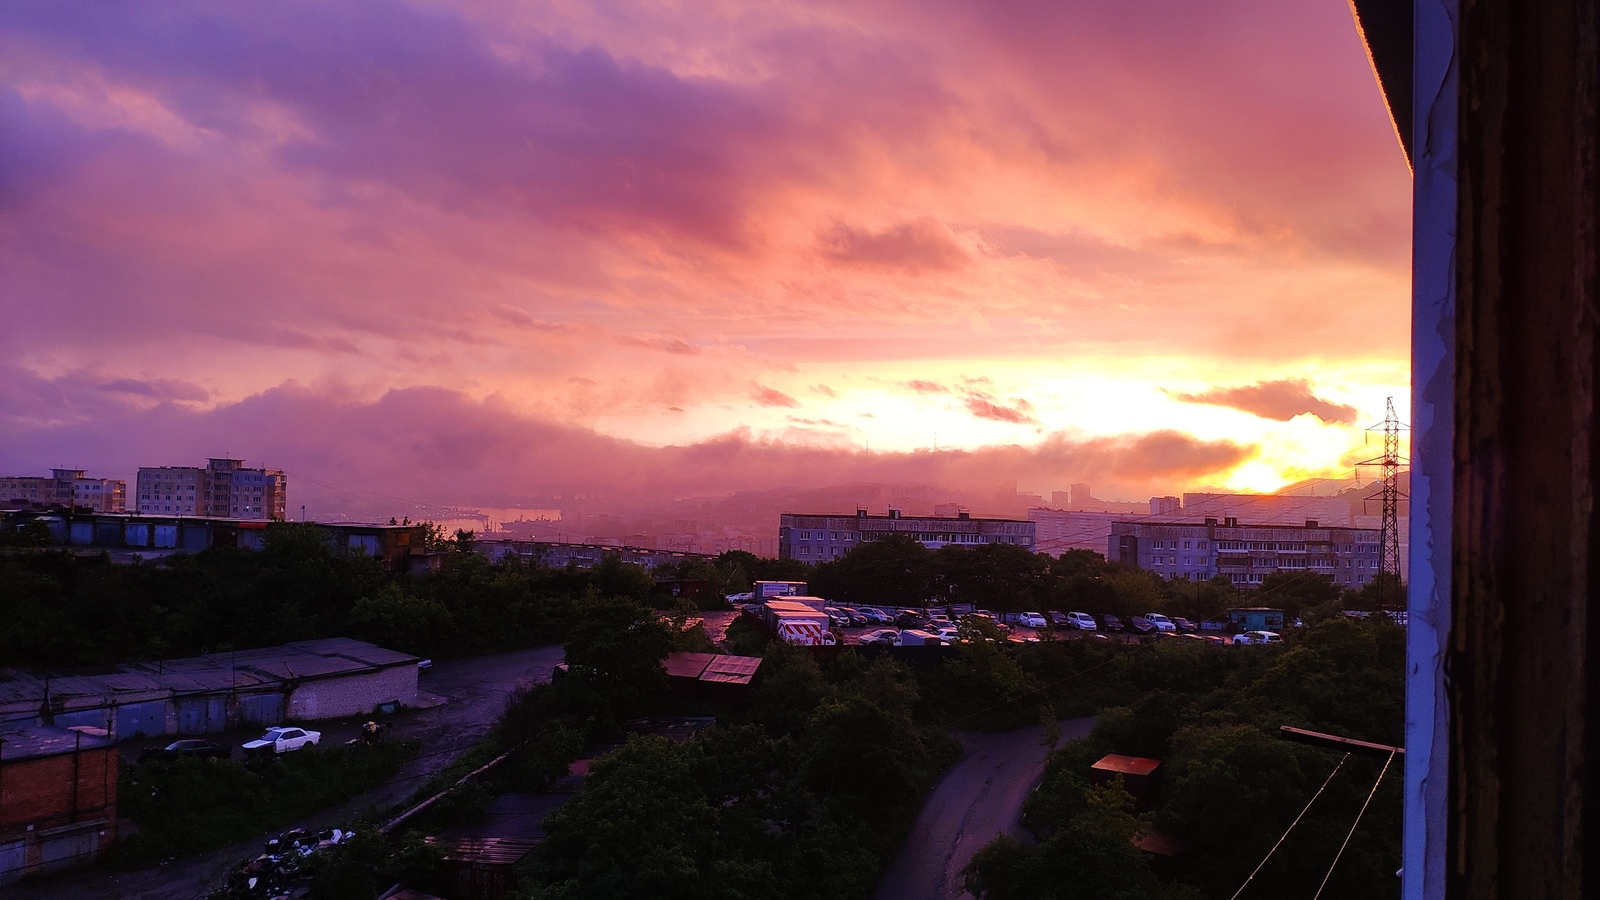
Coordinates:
(13,857)
(63,848)
(202,715)
(148,719)
(95,717)
(261,709)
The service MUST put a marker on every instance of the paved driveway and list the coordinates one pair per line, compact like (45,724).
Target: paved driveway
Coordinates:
(976,801)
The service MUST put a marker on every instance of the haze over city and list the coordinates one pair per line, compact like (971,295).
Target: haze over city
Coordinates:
(497,253)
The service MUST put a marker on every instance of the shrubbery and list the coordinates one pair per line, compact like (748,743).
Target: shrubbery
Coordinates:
(189,805)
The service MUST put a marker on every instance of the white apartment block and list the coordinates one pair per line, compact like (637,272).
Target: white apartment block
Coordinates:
(65,487)
(224,489)
(815,538)
(1246,554)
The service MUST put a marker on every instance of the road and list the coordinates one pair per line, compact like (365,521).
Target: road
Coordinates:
(463,697)
(976,801)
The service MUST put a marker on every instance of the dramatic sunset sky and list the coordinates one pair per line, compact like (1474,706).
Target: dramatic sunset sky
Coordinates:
(447,248)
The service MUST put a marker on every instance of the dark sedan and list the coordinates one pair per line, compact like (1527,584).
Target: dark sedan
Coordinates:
(195,748)
(1110,623)
(1142,625)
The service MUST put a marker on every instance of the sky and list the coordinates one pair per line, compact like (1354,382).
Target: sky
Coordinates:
(452,249)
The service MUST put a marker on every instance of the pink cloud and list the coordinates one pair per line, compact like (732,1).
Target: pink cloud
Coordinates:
(766,396)
(987,406)
(431,442)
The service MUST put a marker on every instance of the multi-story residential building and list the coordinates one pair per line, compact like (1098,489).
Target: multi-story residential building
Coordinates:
(815,538)
(65,487)
(225,488)
(170,490)
(1246,554)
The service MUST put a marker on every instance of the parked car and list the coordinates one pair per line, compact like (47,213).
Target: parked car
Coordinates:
(1059,620)
(282,740)
(1184,625)
(1111,623)
(856,618)
(874,615)
(940,620)
(837,617)
(1142,625)
(196,748)
(1162,623)
(1031,620)
(1258,637)
(909,618)
(880,636)
(949,634)
(1081,621)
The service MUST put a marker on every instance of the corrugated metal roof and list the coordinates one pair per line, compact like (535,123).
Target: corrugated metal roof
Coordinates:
(491,851)
(687,665)
(731,669)
(1127,765)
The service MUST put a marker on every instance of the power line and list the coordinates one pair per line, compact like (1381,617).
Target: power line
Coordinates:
(1370,795)
(1286,831)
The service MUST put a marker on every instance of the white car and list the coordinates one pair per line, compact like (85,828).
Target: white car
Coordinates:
(282,740)
(1162,623)
(1082,621)
(1258,637)
(949,634)
(1031,620)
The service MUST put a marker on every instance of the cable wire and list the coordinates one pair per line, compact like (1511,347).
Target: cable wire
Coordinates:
(1370,794)
(1281,839)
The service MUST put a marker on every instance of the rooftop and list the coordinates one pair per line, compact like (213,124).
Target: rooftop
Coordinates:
(34,741)
(1127,765)
(223,671)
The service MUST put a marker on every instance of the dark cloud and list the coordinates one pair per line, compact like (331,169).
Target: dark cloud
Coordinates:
(919,246)
(766,396)
(157,389)
(1280,400)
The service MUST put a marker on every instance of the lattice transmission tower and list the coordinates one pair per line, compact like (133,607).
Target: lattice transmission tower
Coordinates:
(1389,466)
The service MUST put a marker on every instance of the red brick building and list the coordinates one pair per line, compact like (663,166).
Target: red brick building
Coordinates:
(58,799)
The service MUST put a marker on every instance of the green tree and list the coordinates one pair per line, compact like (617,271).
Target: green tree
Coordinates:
(994,576)
(896,570)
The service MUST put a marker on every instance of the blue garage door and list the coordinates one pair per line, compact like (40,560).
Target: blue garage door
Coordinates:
(261,709)
(148,719)
(202,715)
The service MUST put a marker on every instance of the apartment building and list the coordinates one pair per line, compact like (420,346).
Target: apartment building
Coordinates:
(1246,554)
(65,487)
(224,488)
(816,538)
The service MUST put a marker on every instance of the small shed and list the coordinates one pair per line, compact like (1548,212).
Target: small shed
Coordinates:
(1140,776)
(483,868)
(1256,618)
